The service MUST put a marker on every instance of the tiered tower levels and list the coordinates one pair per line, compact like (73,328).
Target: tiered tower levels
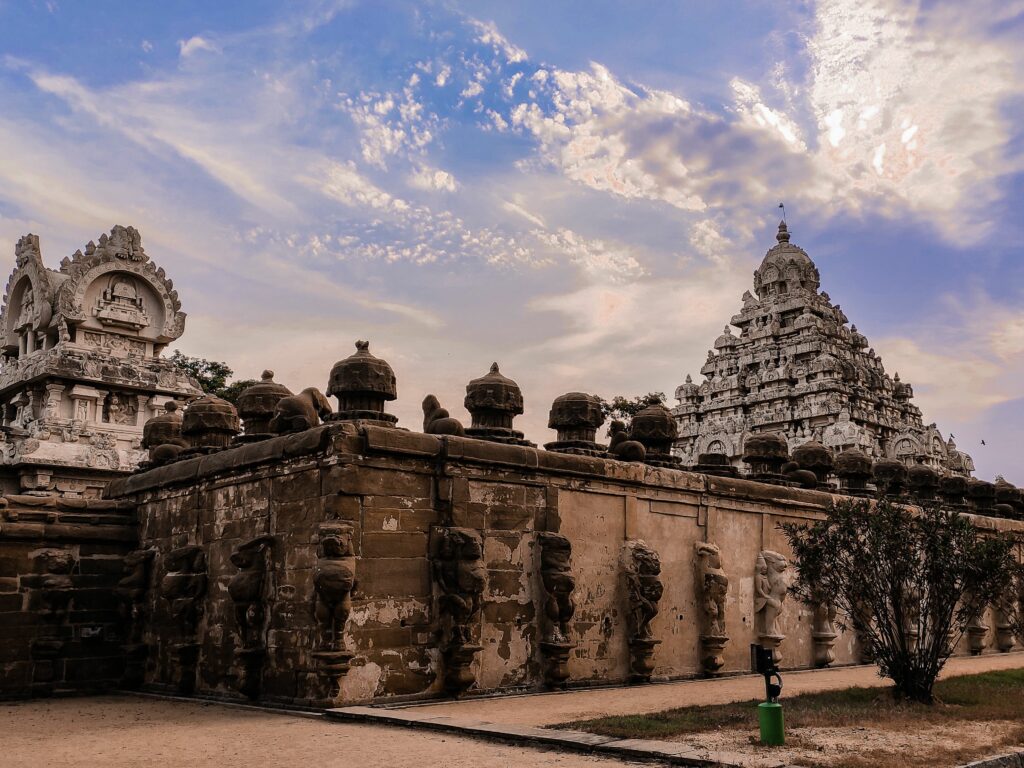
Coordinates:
(796,368)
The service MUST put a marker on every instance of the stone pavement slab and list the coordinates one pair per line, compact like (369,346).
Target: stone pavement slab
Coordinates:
(541,709)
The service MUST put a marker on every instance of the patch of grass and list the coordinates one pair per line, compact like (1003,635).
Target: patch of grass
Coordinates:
(988,696)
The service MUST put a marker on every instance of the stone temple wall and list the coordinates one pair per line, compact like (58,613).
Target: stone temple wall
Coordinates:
(60,620)
(459,583)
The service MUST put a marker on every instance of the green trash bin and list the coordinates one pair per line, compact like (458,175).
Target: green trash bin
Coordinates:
(769,717)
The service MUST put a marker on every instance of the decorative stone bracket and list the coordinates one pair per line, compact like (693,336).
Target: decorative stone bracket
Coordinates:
(770,588)
(713,589)
(559,583)
(460,574)
(249,593)
(642,568)
(334,580)
(131,590)
(183,587)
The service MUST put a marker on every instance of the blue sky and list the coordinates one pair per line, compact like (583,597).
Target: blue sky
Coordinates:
(579,190)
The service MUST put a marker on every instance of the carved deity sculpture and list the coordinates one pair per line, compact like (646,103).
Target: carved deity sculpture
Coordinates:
(559,583)
(334,579)
(460,574)
(642,568)
(712,589)
(437,420)
(131,590)
(300,412)
(248,591)
(183,587)
(770,589)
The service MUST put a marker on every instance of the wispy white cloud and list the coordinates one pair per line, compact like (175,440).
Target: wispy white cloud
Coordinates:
(195,44)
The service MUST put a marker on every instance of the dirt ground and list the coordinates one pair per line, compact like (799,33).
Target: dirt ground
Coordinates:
(866,746)
(136,732)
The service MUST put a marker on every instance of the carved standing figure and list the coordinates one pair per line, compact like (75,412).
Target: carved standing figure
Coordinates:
(770,589)
(334,580)
(713,589)
(642,568)
(559,583)
(437,420)
(248,591)
(131,590)
(461,575)
(183,587)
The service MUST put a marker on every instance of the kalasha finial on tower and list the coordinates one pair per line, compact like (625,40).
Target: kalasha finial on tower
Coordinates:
(783,235)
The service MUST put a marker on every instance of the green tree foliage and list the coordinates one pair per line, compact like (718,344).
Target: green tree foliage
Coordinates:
(909,582)
(211,376)
(624,409)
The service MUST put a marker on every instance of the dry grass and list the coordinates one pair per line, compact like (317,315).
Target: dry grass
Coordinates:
(990,706)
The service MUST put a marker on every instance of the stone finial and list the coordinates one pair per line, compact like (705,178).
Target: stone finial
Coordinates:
(210,423)
(256,407)
(853,468)
(642,568)
(923,482)
(1008,498)
(493,401)
(890,477)
(815,457)
(953,489)
(576,416)
(717,464)
(363,383)
(982,495)
(437,420)
(655,428)
(783,234)
(765,453)
(621,447)
(162,435)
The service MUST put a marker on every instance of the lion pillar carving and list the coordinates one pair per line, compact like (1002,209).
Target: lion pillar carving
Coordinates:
(334,580)
(712,590)
(131,591)
(559,583)
(460,574)
(248,591)
(642,568)
(770,589)
(183,587)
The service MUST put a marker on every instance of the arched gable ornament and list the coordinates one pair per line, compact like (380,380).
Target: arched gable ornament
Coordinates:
(121,252)
(28,267)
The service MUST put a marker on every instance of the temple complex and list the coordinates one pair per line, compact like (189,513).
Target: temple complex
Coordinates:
(795,368)
(81,368)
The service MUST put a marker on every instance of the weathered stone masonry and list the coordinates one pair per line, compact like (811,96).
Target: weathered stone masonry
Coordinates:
(399,491)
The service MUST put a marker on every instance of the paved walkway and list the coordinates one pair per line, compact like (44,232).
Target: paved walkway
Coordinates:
(553,708)
(138,732)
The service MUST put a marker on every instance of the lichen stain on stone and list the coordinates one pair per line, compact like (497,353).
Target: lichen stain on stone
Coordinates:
(361,683)
(390,523)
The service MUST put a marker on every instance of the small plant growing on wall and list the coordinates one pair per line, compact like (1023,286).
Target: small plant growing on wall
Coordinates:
(910,582)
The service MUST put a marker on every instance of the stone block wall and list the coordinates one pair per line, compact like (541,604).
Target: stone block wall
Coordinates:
(403,494)
(61,625)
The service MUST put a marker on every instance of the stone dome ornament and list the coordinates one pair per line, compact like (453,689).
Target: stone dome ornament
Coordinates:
(256,407)
(853,468)
(162,436)
(655,428)
(816,458)
(493,401)
(576,416)
(890,477)
(765,453)
(209,424)
(363,383)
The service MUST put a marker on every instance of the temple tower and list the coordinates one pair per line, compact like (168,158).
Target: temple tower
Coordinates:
(788,363)
(80,365)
